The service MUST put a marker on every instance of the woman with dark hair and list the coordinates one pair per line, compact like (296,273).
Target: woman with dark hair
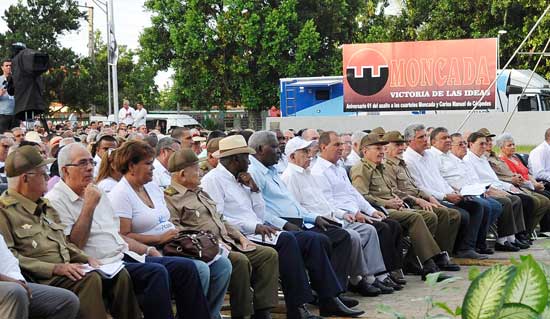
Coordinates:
(144,217)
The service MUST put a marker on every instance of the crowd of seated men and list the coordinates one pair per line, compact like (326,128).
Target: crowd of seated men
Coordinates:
(323,217)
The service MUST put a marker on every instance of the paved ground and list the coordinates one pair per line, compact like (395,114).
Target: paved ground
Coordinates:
(411,301)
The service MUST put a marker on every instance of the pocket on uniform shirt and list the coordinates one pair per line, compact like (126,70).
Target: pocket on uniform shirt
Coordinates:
(26,233)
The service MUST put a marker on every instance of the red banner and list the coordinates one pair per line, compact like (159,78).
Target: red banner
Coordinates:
(422,75)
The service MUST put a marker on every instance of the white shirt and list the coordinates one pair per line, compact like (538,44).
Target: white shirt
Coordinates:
(126,116)
(335,185)
(305,189)
(107,184)
(140,117)
(161,176)
(539,161)
(456,171)
(145,220)
(281,164)
(237,203)
(9,265)
(352,159)
(423,169)
(104,242)
(485,171)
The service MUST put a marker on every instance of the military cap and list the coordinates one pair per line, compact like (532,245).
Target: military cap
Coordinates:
(379,130)
(213,145)
(24,159)
(182,159)
(372,139)
(486,132)
(393,137)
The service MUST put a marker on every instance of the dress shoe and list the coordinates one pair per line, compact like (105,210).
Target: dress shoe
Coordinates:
(300,312)
(444,263)
(470,254)
(348,301)
(506,247)
(485,250)
(520,244)
(388,282)
(397,277)
(383,288)
(333,307)
(429,268)
(365,289)
(261,314)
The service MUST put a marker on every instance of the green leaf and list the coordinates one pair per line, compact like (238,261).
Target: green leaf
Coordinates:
(546,270)
(445,307)
(383,308)
(483,299)
(517,311)
(546,313)
(473,273)
(528,286)
(431,279)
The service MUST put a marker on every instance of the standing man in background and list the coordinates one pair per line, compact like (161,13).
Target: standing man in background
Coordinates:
(140,115)
(7,102)
(126,114)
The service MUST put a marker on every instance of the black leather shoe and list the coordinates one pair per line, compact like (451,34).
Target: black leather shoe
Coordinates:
(506,247)
(397,277)
(429,268)
(300,312)
(485,251)
(520,244)
(348,301)
(261,314)
(388,282)
(383,288)
(442,276)
(470,254)
(364,289)
(333,307)
(444,263)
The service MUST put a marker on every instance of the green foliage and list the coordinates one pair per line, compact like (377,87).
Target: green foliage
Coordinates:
(516,291)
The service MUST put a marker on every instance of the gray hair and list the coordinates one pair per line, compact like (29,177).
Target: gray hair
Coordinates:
(357,137)
(503,138)
(410,131)
(64,156)
(165,142)
(261,138)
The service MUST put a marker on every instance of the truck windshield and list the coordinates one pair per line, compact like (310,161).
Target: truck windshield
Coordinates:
(545,103)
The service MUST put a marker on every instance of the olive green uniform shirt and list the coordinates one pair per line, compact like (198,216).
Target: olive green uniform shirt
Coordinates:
(34,235)
(369,180)
(400,179)
(195,210)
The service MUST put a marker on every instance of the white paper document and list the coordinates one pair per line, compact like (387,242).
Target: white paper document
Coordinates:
(107,271)
(258,238)
(474,189)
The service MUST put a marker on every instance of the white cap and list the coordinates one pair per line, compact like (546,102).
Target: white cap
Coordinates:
(295,144)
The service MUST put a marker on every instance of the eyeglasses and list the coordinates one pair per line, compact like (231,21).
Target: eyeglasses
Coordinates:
(83,163)
(459,144)
(43,174)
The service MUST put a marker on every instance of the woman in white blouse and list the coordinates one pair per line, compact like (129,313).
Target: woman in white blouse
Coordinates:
(144,216)
(108,176)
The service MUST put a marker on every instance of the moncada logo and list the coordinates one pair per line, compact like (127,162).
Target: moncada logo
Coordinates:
(367,79)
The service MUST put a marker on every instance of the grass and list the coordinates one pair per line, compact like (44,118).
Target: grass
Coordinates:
(524,148)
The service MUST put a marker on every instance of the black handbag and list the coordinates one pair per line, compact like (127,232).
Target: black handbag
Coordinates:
(196,244)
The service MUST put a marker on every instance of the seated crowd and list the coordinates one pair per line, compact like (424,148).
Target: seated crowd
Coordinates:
(319,215)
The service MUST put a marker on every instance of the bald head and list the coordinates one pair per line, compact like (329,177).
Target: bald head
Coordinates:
(310,135)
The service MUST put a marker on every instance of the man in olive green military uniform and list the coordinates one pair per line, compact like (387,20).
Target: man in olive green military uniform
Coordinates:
(210,162)
(402,185)
(27,224)
(368,177)
(540,204)
(192,209)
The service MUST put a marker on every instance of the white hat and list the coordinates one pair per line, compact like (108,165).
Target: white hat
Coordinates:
(33,136)
(295,144)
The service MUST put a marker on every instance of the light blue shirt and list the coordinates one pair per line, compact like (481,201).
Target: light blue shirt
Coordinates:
(278,199)
(7,102)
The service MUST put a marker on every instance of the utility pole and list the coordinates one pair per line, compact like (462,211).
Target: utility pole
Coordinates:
(113,57)
(91,49)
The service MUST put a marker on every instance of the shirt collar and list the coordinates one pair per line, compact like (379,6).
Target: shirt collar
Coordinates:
(65,189)
(264,170)
(437,151)
(224,171)
(27,204)
(415,153)
(296,168)
(479,158)
(324,163)
(180,188)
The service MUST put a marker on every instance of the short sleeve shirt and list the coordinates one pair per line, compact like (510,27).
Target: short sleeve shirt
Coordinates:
(145,220)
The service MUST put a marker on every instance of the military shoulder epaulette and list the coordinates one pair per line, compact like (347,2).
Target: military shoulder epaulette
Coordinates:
(170,191)
(7,201)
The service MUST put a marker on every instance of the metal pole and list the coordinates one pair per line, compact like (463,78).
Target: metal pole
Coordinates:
(90,32)
(108,64)
(114,66)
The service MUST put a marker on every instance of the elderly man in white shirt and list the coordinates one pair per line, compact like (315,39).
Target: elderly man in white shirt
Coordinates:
(337,189)
(22,299)
(539,159)
(126,114)
(241,203)
(423,165)
(354,157)
(477,159)
(91,224)
(166,146)
(366,258)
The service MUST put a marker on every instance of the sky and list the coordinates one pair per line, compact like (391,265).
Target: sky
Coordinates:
(130,19)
